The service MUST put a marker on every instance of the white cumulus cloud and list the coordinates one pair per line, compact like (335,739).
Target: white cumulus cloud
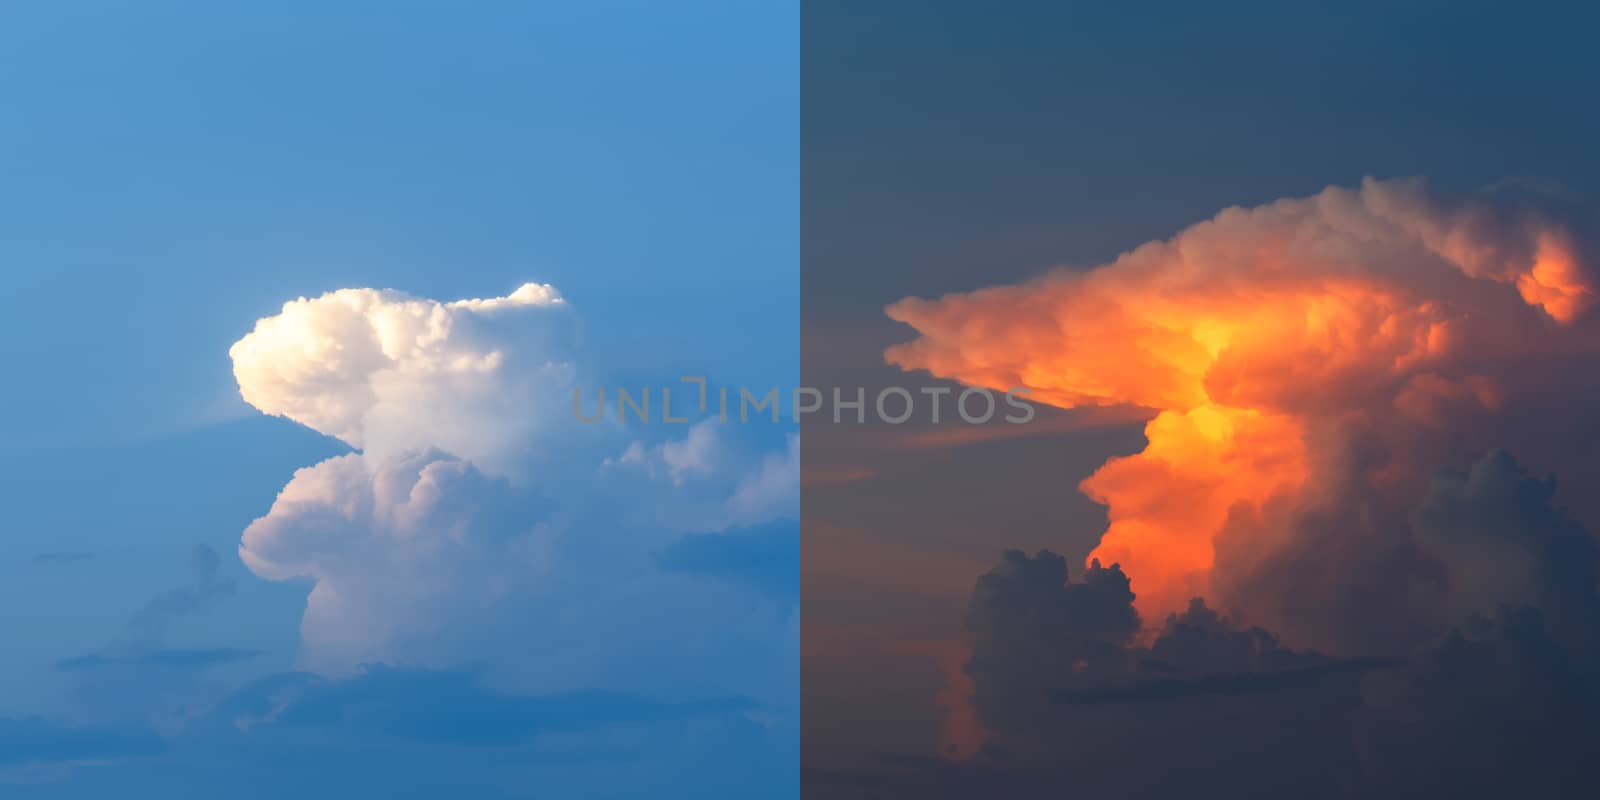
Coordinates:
(386,372)
(478,519)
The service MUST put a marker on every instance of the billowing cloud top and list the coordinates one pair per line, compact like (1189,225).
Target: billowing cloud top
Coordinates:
(1312,363)
(479,521)
(386,372)
(1266,305)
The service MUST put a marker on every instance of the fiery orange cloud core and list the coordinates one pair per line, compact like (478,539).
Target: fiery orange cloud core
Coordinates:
(1245,333)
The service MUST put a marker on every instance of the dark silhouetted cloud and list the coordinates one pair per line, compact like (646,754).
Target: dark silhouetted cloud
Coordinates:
(1076,695)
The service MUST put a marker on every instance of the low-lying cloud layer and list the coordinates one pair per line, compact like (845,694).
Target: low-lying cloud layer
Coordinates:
(396,732)
(1071,691)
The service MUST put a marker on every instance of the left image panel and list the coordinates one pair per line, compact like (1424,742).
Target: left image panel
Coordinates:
(393,400)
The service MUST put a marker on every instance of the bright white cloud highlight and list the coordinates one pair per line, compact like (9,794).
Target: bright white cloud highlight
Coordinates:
(386,372)
(479,520)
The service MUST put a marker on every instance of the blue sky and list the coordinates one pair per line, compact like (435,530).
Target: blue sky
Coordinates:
(173,172)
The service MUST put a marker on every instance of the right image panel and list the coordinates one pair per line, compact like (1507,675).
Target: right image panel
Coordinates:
(1199,401)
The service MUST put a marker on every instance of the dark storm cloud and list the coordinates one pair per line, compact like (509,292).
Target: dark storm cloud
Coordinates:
(1505,702)
(1224,684)
(1497,708)
(1498,538)
(1035,632)
(1039,639)
(1377,570)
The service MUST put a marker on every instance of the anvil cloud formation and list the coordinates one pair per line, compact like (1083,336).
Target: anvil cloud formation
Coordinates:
(1313,365)
(1358,533)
